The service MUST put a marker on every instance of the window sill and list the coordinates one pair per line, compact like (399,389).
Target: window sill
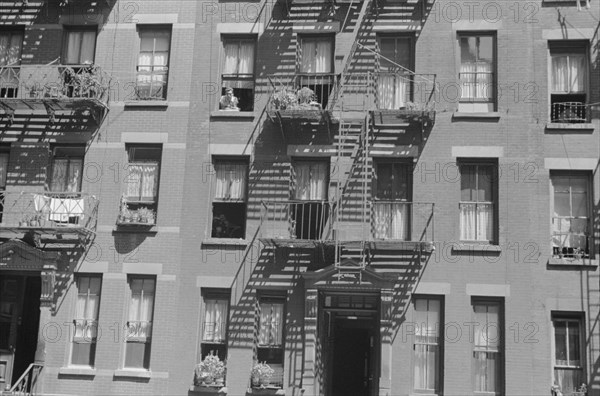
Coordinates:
(494,116)
(146,103)
(132,373)
(268,391)
(225,241)
(249,115)
(136,228)
(569,126)
(476,247)
(209,389)
(582,263)
(81,371)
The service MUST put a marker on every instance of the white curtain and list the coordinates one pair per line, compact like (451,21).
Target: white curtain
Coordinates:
(311,181)
(80,47)
(239,58)
(391,220)
(215,321)
(66,175)
(3,169)
(568,73)
(392,90)
(141,307)
(486,347)
(271,324)
(476,221)
(476,80)
(142,182)
(316,56)
(570,221)
(153,59)
(231,181)
(88,301)
(427,314)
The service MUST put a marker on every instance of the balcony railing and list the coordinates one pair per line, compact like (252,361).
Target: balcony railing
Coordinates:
(56,82)
(403,91)
(571,237)
(51,211)
(402,221)
(287,92)
(302,220)
(570,112)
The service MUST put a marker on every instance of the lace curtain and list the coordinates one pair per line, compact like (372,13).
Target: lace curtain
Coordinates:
(141,307)
(215,321)
(231,181)
(88,301)
(392,90)
(568,73)
(271,324)
(239,58)
(142,182)
(311,181)
(316,56)
(477,67)
(391,220)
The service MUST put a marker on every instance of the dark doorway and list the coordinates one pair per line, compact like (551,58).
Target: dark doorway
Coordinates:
(27,327)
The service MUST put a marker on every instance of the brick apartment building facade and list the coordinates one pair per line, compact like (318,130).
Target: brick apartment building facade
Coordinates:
(404,199)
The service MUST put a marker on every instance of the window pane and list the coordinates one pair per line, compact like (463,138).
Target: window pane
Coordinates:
(468,49)
(560,342)
(384,181)
(562,204)
(467,183)
(484,183)
(486,49)
(3,169)
(231,181)
(311,180)
(574,340)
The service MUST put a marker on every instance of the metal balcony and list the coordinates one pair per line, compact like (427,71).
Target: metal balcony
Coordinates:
(48,213)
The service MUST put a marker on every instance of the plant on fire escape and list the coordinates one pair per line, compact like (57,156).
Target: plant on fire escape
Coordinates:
(211,371)
(261,374)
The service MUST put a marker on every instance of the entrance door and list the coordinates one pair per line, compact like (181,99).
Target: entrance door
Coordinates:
(353,361)
(19,322)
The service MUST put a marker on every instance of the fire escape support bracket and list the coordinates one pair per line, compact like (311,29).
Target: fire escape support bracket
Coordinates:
(51,112)
(9,111)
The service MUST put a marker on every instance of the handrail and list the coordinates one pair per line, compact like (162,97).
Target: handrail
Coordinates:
(25,384)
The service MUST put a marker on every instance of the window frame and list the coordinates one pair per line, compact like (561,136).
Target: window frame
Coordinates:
(154,28)
(574,174)
(440,345)
(5,152)
(579,318)
(56,156)
(238,78)
(494,98)
(217,294)
(493,163)
(68,29)
(501,369)
(84,340)
(264,297)
(136,204)
(239,160)
(294,179)
(147,340)
(316,37)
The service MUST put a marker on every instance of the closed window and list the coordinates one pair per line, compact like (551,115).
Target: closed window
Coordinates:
(86,320)
(569,362)
(394,81)
(238,74)
(392,206)
(568,81)
(214,325)
(153,63)
(477,72)
(487,362)
(309,209)
(139,323)
(270,335)
(571,220)
(143,176)
(427,345)
(477,202)
(229,202)
(67,169)
(11,44)
(316,66)
(79,46)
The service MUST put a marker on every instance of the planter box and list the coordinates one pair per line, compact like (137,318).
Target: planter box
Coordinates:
(208,390)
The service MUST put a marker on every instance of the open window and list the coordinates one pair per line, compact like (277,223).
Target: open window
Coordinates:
(238,73)
(67,169)
(139,323)
(229,201)
(569,63)
(214,324)
(11,45)
(79,46)
(316,66)
(488,347)
(270,347)
(83,351)
(427,346)
(477,74)
(140,202)
(392,200)
(569,361)
(394,79)
(309,210)
(478,183)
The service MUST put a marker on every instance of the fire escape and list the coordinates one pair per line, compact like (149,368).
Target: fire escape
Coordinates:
(352,119)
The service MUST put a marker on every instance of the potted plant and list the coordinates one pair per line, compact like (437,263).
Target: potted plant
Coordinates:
(284,99)
(143,214)
(25,220)
(210,372)
(261,375)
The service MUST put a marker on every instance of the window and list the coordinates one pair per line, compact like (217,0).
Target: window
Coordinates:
(569,363)
(316,66)
(477,207)
(80,46)
(238,72)
(392,206)
(568,81)
(477,72)
(571,208)
(67,169)
(4,156)
(142,181)
(11,44)
(229,202)
(562,3)
(394,80)
(214,326)
(139,324)
(86,320)
(309,209)
(487,347)
(270,335)
(427,345)
(153,63)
